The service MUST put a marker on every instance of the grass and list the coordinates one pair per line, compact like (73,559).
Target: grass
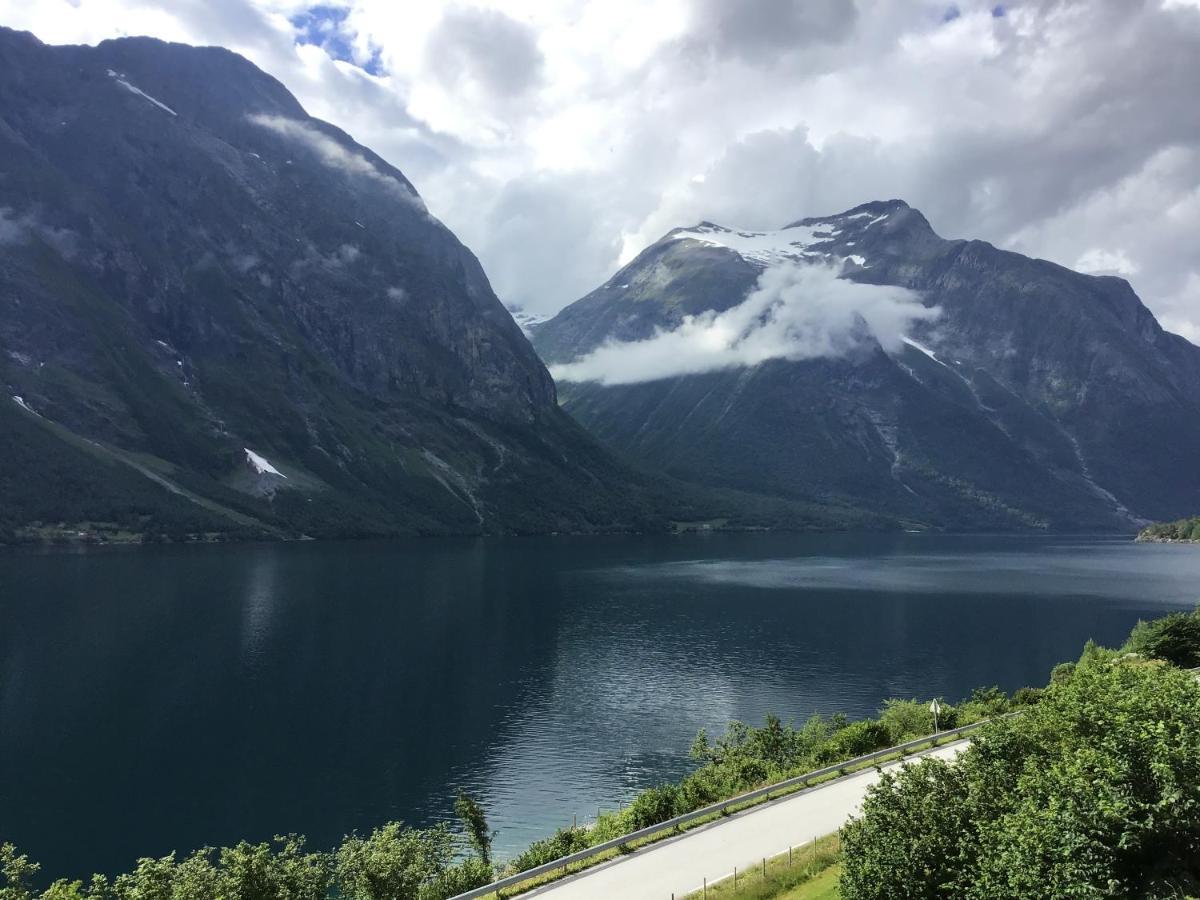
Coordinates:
(812,873)
(823,887)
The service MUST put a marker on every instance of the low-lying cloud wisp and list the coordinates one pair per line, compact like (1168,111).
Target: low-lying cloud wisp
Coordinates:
(795,312)
(334,155)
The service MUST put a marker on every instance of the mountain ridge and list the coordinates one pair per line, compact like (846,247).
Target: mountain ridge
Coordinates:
(221,317)
(129,324)
(1029,372)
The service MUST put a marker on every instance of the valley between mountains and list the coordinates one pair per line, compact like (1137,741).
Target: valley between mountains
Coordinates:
(223,318)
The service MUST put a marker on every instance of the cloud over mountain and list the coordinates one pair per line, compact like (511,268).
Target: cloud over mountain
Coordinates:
(796,311)
(1057,128)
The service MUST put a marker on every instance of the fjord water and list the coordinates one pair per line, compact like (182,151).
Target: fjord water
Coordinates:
(172,698)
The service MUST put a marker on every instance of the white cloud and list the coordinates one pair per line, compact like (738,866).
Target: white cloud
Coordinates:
(576,132)
(795,312)
(1106,262)
(486,51)
(334,155)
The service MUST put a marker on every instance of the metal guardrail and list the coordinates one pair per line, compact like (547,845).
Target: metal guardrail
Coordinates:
(714,808)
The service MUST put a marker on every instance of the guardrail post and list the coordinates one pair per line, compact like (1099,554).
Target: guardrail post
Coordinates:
(764,868)
(735,878)
(705,889)
(789,856)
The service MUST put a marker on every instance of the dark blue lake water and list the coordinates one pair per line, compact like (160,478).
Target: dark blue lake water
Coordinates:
(169,698)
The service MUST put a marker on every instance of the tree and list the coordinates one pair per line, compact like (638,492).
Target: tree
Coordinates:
(18,873)
(282,872)
(1175,638)
(471,814)
(1092,792)
(396,862)
(393,861)
(911,841)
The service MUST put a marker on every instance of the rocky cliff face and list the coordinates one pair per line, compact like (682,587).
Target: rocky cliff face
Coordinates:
(259,318)
(1035,397)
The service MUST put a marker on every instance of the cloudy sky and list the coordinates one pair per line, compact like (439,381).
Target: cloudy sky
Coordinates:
(559,137)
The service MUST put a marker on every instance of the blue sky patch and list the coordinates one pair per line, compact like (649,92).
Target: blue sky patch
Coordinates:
(323,26)
(952,12)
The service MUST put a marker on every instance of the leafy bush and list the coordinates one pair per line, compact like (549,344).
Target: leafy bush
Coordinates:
(856,739)
(562,843)
(1093,792)
(1062,672)
(653,805)
(906,720)
(394,862)
(1027,696)
(1175,638)
(985,703)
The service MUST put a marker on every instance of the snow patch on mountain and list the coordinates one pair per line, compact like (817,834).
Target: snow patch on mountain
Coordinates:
(527,321)
(137,90)
(795,243)
(20,401)
(923,349)
(261,464)
(766,247)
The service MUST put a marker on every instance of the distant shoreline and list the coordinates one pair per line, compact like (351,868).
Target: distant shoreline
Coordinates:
(1183,531)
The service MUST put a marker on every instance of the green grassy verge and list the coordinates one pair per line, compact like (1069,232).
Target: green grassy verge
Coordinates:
(808,872)
(823,887)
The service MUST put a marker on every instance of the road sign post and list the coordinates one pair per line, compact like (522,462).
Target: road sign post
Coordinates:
(936,709)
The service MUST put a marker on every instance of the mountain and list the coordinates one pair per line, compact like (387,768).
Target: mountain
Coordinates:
(1021,394)
(219,315)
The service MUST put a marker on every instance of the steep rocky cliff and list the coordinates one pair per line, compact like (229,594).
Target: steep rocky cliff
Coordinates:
(219,314)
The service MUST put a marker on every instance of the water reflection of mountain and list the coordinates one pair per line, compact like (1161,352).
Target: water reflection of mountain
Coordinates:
(168,698)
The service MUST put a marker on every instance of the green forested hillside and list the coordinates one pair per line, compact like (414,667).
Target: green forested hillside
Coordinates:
(1181,530)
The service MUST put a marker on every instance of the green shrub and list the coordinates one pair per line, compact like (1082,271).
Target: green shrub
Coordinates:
(1174,638)
(905,720)
(397,861)
(856,739)
(1093,792)
(1062,672)
(1027,696)
(653,805)
(562,843)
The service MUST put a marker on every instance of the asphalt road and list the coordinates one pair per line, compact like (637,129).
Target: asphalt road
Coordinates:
(679,865)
